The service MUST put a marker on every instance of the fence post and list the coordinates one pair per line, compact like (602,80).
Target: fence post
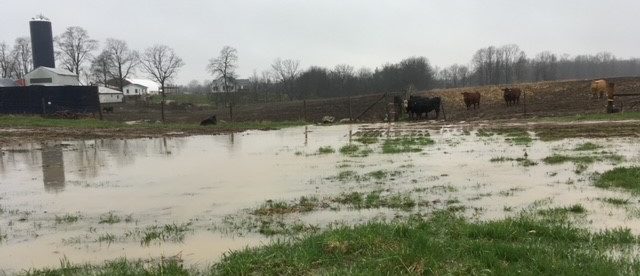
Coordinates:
(304,110)
(350,113)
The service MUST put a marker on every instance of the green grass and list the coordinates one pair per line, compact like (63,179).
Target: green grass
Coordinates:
(67,218)
(108,238)
(442,245)
(588,146)
(623,177)
(349,149)
(36,121)
(271,207)
(525,162)
(109,218)
(406,144)
(169,266)
(170,232)
(595,117)
(367,140)
(326,150)
(581,159)
(615,201)
(375,199)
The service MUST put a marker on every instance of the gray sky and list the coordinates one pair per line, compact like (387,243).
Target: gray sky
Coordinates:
(330,32)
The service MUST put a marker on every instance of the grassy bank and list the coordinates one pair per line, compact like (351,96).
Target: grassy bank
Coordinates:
(594,117)
(442,244)
(38,122)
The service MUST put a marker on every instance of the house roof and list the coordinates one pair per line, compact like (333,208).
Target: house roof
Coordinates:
(149,84)
(106,90)
(57,71)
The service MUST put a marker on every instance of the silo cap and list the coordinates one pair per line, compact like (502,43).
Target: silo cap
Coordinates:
(40,17)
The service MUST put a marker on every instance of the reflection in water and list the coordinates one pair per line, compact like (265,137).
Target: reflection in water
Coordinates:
(52,167)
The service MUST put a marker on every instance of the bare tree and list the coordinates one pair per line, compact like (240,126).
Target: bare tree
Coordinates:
(123,60)
(286,70)
(224,69)
(75,47)
(7,61)
(100,68)
(162,64)
(23,57)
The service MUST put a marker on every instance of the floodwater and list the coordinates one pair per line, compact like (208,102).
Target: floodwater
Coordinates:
(200,180)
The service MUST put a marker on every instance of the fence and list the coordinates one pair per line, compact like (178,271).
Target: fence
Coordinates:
(49,99)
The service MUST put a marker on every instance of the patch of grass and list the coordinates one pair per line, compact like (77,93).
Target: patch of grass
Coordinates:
(406,144)
(168,266)
(375,199)
(614,201)
(108,238)
(367,140)
(326,150)
(581,159)
(37,121)
(517,136)
(109,218)
(441,245)
(171,232)
(525,162)
(303,205)
(67,218)
(588,146)
(382,174)
(354,150)
(595,117)
(622,177)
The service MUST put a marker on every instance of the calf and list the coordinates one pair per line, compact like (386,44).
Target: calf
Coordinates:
(512,95)
(471,99)
(212,120)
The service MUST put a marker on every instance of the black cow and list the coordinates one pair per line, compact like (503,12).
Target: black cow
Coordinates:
(419,105)
(108,109)
(209,121)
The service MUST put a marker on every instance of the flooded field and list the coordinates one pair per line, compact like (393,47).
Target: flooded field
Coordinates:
(198,197)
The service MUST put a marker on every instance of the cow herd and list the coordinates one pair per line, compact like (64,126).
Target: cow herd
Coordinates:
(416,106)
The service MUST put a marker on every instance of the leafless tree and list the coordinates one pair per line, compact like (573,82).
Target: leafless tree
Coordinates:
(286,70)
(74,48)
(7,61)
(223,68)
(23,57)
(100,68)
(123,61)
(162,64)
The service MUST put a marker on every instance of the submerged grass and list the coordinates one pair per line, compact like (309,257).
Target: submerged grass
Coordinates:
(170,232)
(326,150)
(109,218)
(588,146)
(614,201)
(67,218)
(443,244)
(375,199)
(169,266)
(581,159)
(623,177)
(406,144)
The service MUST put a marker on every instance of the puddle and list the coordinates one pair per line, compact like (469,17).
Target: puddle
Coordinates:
(200,180)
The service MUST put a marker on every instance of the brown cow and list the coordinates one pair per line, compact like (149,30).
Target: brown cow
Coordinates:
(471,99)
(599,87)
(511,95)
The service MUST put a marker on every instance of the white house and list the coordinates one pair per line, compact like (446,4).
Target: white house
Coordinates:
(232,86)
(108,95)
(51,77)
(140,87)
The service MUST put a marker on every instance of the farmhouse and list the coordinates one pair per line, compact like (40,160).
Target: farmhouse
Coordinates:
(136,87)
(51,77)
(238,85)
(108,95)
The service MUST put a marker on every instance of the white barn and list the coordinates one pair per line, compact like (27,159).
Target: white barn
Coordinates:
(51,77)
(108,95)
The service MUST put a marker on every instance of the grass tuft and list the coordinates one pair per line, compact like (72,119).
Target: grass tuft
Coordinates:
(622,177)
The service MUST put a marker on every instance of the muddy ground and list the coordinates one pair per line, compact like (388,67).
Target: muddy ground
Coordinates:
(555,98)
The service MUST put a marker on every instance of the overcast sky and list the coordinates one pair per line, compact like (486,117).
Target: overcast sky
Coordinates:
(330,32)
